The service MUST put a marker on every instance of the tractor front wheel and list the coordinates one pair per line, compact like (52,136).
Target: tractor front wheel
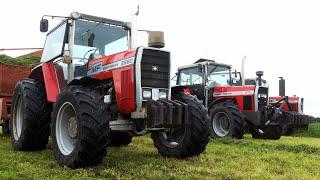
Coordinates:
(79,128)
(227,120)
(189,139)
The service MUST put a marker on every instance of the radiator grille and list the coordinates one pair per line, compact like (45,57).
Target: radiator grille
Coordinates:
(155,69)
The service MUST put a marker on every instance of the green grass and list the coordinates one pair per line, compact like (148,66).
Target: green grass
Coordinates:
(295,157)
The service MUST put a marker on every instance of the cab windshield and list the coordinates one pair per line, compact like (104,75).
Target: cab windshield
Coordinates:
(218,76)
(190,76)
(94,40)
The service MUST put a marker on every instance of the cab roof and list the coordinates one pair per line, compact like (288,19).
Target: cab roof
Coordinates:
(203,61)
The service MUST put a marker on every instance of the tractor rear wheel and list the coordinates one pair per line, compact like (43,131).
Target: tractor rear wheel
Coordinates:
(119,139)
(227,120)
(273,132)
(191,138)
(30,122)
(80,127)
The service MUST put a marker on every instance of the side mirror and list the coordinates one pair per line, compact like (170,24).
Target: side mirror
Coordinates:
(156,39)
(44,24)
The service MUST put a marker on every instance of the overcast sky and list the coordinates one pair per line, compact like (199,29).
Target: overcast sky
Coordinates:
(280,37)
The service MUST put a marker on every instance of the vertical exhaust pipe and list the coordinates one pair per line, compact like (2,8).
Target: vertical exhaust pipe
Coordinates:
(243,79)
(134,28)
(282,87)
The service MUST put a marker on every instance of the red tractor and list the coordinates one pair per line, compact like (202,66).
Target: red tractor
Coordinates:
(291,107)
(232,109)
(94,89)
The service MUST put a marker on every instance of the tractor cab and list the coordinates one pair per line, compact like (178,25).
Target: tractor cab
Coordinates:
(203,76)
(82,38)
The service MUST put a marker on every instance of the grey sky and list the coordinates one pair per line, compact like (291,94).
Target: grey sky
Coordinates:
(280,37)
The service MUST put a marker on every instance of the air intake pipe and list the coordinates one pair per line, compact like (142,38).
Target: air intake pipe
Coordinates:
(259,74)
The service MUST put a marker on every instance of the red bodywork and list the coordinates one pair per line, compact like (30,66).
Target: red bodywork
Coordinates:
(123,79)
(235,93)
(293,101)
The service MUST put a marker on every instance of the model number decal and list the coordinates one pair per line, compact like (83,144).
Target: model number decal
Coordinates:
(98,68)
(234,93)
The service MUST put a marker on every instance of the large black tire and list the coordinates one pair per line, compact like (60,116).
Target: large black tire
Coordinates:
(273,132)
(83,143)
(189,140)
(6,128)
(119,139)
(30,122)
(227,114)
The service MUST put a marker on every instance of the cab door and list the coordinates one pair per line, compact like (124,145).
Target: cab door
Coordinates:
(194,79)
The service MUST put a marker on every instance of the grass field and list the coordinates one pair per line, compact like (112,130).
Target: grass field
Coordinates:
(295,157)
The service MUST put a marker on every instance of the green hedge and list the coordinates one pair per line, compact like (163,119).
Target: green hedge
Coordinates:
(31,59)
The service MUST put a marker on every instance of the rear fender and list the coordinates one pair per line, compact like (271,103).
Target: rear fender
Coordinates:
(52,77)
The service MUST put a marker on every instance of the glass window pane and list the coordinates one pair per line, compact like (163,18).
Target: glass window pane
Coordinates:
(218,76)
(190,76)
(54,44)
(96,40)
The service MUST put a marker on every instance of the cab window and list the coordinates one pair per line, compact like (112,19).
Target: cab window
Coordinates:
(190,76)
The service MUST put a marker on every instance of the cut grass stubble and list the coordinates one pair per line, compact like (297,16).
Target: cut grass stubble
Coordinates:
(289,158)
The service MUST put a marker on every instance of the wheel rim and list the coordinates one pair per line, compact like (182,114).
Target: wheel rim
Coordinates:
(17,120)
(66,128)
(221,124)
(173,137)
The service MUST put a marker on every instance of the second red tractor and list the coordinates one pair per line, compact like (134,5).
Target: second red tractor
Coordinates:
(231,108)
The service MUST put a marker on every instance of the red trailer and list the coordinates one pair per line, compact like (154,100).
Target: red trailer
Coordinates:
(9,75)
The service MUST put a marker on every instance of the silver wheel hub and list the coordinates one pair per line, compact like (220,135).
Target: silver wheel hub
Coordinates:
(18,116)
(221,124)
(66,128)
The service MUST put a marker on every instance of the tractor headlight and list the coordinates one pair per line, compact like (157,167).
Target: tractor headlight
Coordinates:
(146,93)
(163,94)
(262,95)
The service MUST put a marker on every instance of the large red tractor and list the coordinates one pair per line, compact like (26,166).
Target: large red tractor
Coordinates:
(94,89)
(231,108)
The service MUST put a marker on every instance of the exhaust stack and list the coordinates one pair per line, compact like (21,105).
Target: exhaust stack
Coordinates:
(282,87)
(259,74)
(243,79)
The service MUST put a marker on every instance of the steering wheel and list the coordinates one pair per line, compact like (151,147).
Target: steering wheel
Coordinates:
(84,57)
